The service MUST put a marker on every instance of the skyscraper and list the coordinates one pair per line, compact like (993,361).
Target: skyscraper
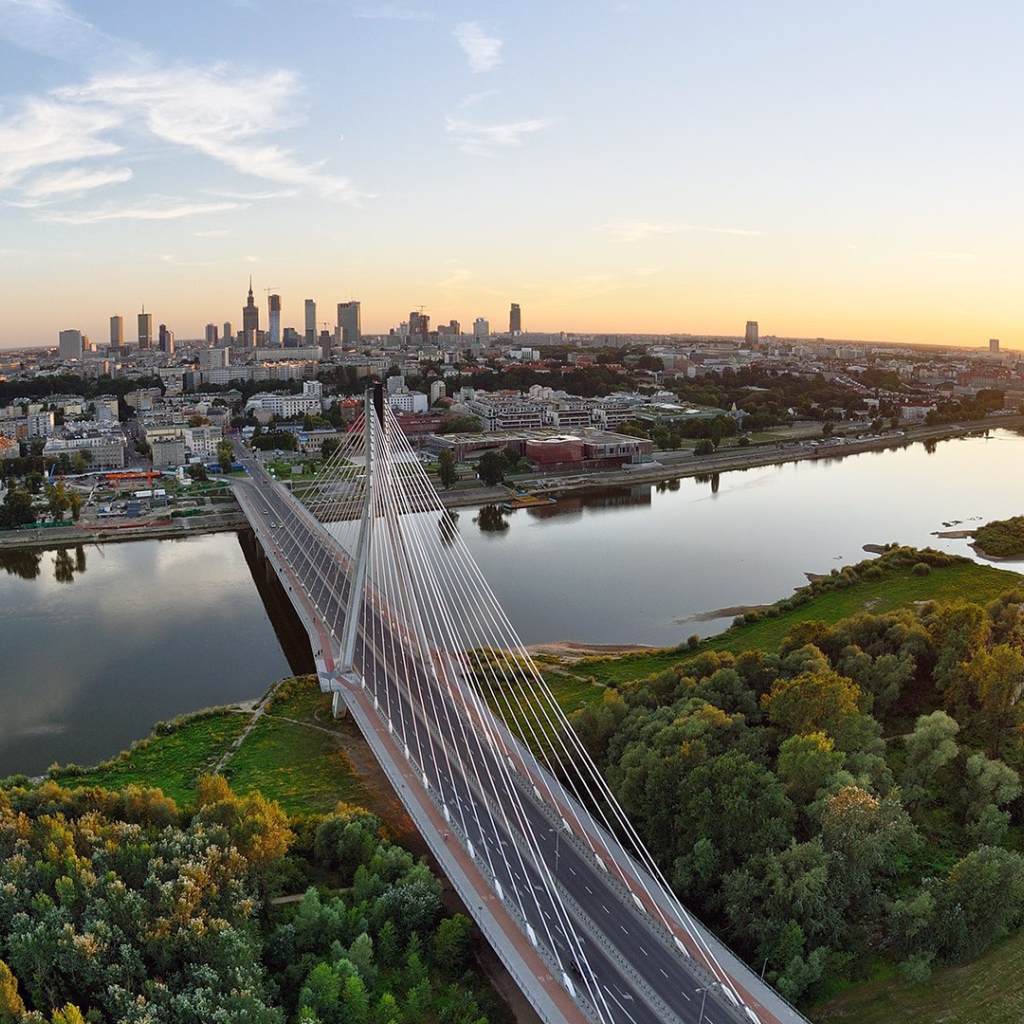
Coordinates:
(166,340)
(211,335)
(515,319)
(310,323)
(349,326)
(117,332)
(145,329)
(274,302)
(481,328)
(70,344)
(228,337)
(250,320)
(993,345)
(751,335)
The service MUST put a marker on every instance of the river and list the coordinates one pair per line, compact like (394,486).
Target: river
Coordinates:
(98,643)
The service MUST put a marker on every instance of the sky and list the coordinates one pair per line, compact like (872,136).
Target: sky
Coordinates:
(651,166)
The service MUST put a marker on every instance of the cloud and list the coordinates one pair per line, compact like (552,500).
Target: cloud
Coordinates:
(218,114)
(390,12)
(213,233)
(483,51)
(175,261)
(45,133)
(152,209)
(488,139)
(75,181)
(52,29)
(225,116)
(638,230)
(476,97)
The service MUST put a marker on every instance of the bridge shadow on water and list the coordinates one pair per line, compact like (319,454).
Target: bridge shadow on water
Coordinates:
(288,627)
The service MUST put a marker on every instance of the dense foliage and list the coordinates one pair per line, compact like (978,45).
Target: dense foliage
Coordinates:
(1003,538)
(851,800)
(117,907)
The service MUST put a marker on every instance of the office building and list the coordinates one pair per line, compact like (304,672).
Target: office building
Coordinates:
(325,345)
(228,336)
(751,335)
(515,319)
(250,320)
(481,328)
(211,335)
(310,322)
(145,329)
(117,332)
(70,345)
(349,326)
(166,340)
(993,346)
(274,302)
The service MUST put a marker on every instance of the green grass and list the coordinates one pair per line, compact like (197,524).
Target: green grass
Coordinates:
(897,588)
(172,762)
(293,755)
(985,991)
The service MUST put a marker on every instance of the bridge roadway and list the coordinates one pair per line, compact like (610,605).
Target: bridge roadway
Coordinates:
(624,961)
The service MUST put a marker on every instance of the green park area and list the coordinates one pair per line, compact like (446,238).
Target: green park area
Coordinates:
(834,783)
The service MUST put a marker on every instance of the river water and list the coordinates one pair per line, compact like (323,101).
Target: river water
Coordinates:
(98,643)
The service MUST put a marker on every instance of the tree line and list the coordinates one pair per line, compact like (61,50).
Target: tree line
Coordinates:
(853,800)
(123,907)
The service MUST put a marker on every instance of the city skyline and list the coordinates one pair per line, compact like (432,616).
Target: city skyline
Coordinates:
(615,167)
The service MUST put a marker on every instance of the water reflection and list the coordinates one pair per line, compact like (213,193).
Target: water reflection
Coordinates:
(490,519)
(448,524)
(21,563)
(155,629)
(68,562)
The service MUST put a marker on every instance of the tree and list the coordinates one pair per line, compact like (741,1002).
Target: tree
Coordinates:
(492,467)
(11,1005)
(446,468)
(57,500)
(16,509)
(805,764)
(998,680)
(225,455)
(705,446)
(819,700)
(929,748)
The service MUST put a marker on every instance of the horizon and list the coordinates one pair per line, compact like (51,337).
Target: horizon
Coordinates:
(616,168)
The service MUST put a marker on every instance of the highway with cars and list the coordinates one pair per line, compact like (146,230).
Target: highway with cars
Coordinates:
(600,939)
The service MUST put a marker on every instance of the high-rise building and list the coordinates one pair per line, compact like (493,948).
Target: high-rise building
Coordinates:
(310,323)
(515,319)
(993,345)
(211,335)
(117,332)
(166,340)
(419,326)
(145,329)
(228,337)
(70,344)
(250,320)
(481,328)
(325,345)
(349,326)
(274,302)
(751,335)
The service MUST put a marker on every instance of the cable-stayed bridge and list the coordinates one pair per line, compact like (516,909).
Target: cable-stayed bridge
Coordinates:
(408,637)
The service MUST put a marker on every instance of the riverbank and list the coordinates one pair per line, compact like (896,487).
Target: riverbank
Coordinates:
(668,466)
(681,464)
(230,520)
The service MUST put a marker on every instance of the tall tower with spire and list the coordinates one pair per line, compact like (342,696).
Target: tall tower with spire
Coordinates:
(250,320)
